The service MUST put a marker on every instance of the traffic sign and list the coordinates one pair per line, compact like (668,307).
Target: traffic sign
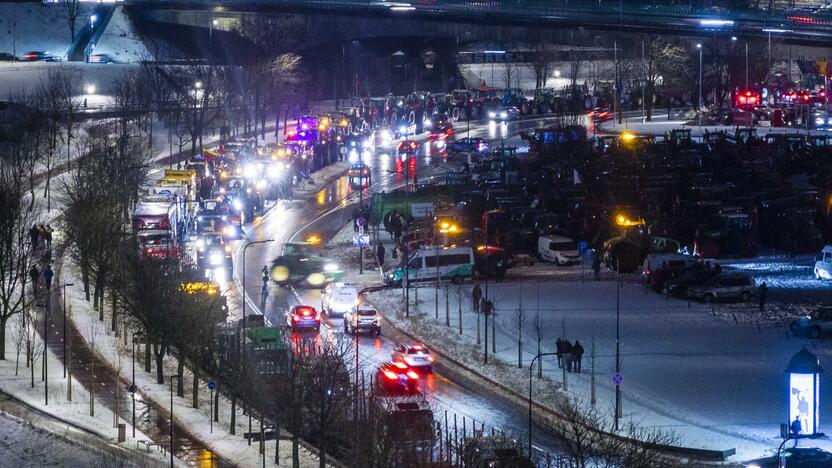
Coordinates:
(212,385)
(617,378)
(583,246)
(361,240)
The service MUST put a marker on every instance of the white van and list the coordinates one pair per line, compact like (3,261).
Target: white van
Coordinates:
(454,263)
(653,262)
(558,250)
(823,264)
(338,299)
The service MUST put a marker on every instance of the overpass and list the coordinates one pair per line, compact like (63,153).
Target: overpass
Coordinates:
(602,15)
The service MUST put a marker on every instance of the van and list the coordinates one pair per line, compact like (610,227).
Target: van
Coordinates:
(676,261)
(558,250)
(454,263)
(823,264)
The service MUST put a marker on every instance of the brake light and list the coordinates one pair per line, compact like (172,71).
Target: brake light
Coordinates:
(418,346)
(400,365)
(295,318)
(412,375)
(391,375)
(430,358)
(31,55)
(412,145)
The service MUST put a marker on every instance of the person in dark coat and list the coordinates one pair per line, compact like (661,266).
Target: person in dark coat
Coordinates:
(47,236)
(596,265)
(476,296)
(380,251)
(48,274)
(762,291)
(577,355)
(34,235)
(559,349)
(796,428)
(567,355)
(34,275)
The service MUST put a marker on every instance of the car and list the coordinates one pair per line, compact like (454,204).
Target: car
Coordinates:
(466,145)
(504,115)
(212,216)
(299,264)
(302,317)
(796,457)
(102,58)
(362,317)
(397,378)
(417,356)
(157,244)
(823,264)
(384,136)
(39,56)
(212,251)
(441,131)
(814,325)
(600,114)
(7,57)
(359,175)
(723,287)
(337,299)
(678,287)
(558,250)
(407,147)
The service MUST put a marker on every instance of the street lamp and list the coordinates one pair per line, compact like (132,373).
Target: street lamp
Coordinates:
(63,286)
(531,367)
(45,351)
(171,417)
(699,106)
(244,275)
(198,84)
(89,88)
(133,382)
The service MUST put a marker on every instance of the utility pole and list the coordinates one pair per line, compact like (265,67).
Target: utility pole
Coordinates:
(617,342)
(643,81)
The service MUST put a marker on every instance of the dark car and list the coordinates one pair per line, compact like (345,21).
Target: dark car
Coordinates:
(39,56)
(7,57)
(798,457)
(213,252)
(102,58)
(466,145)
(814,325)
(359,175)
(397,378)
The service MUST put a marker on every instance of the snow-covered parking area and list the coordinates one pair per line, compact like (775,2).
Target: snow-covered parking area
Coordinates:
(713,374)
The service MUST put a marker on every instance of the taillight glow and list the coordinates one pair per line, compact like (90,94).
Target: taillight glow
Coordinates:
(391,375)
(412,375)
(430,359)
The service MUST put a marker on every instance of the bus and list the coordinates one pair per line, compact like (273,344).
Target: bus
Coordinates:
(453,263)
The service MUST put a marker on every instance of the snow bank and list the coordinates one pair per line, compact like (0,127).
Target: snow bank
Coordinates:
(120,40)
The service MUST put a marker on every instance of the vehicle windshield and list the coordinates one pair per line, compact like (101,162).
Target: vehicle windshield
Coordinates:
(367,313)
(417,351)
(295,249)
(563,246)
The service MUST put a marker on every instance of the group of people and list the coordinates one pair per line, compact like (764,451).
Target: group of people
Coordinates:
(40,232)
(569,355)
(35,276)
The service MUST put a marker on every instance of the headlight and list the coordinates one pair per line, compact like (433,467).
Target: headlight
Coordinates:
(503,115)
(753,465)
(330,267)
(238,205)
(261,184)
(200,218)
(492,115)
(228,248)
(274,171)
(216,259)
(386,136)
(353,156)
(229,230)
(819,121)
(428,122)
(365,143)
(829,121)
(250,171)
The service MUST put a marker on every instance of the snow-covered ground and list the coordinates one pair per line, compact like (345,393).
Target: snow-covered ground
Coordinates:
(712,374)
(120,40)
(30,26)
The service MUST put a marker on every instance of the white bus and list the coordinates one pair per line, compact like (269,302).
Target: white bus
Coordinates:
(454,263)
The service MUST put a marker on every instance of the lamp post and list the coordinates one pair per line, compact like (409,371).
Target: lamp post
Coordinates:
(63,304)
(531,368)
(171,418)
(249,244)
(46,350)
(133,382)
(699,103)
(211,38)
(93,19)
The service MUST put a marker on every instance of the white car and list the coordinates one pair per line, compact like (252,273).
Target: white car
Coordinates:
(416,356)
(558,250)
(337,299)
(823,264)
(362,317)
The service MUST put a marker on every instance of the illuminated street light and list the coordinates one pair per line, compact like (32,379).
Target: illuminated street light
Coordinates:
(89,89)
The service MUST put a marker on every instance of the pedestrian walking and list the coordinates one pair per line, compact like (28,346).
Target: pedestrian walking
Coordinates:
(500,270)
(559,348)
(47,236)
(48,274)
(476,296)
(577,355)
(796,427)
(380,251)
(395,253)
(34,234)
(567,355)
(596,265)
(762,291)
(34,275)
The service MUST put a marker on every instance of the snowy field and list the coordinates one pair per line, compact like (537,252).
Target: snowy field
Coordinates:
(120,40)
(26,27)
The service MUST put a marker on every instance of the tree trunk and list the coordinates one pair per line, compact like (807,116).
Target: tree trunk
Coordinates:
(146,354)
(85,278)
(195,396)
(3,320)
(159,353)
(180,371)
(114,311)
(233,427)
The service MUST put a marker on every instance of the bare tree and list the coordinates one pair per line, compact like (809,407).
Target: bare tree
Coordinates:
(542,65)
(36,348)
(72,8)
(510,72)
(520,315)
(19,337)
(538,333)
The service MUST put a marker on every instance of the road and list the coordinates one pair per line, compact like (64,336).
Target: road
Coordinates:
(324,214)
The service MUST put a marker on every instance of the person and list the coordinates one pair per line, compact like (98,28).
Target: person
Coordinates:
(596,265)
(265,272)
(34,234)
(796,427)
(501,270)
(762,291)
(48,274)
(567,355)
(559,349)
(34,275)
(395,253)
(380,251)
(577,355)
(47,236)
(476,296)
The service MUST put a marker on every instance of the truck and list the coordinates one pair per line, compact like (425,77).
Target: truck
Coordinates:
(299,264)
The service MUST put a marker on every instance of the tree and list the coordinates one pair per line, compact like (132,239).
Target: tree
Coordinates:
(542,64)
(664,65)
(520,315)
(72,8)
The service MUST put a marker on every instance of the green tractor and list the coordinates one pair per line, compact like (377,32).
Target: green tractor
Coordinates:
(626,252)
(301,265)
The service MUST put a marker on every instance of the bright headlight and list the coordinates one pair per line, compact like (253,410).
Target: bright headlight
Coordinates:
(365,143)
(238,205)
(503,115)
(428,122)
(215,259)
(386,136)
(819,120)
(330,267)
(353,157)
(492,115)
(275,171)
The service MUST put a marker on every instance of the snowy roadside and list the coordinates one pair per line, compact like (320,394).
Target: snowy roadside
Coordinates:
(113,348)
(320,179)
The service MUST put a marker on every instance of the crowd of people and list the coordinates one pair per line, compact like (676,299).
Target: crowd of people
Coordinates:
(40,236)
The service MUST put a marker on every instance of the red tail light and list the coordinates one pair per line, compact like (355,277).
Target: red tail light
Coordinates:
(430,359)
(412,145)
(295,318)
(400,365)
(412,375)
(391,375)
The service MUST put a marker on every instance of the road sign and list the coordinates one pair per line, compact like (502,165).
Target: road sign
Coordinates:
(212,385)
(583,246)
(421,210)
(361,240)
(617,378)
